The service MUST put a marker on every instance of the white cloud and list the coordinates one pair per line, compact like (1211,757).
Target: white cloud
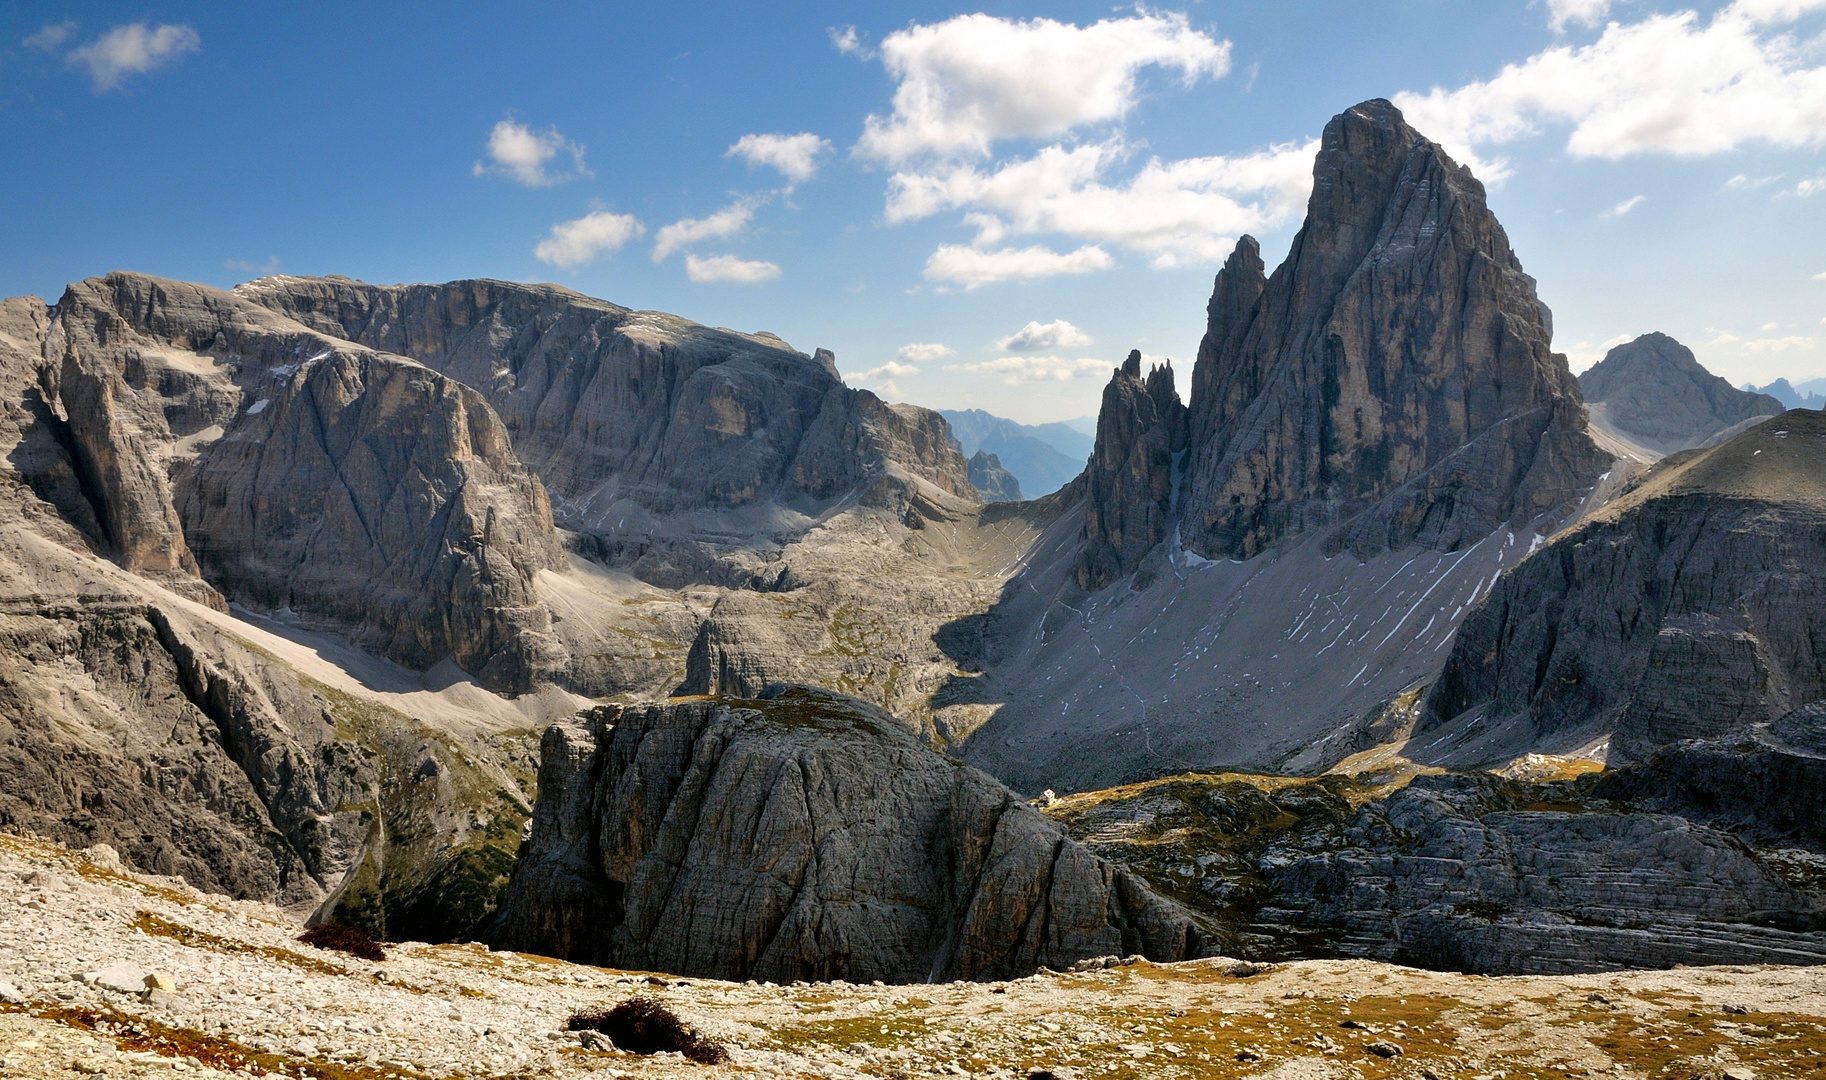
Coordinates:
(924,351)
(846,41)
(1625,206)
(1667,84)
(1037,336)
(891,370)
(519,152)
(132,49)
(1584,354)
(1783,344)
(1725,337)
(973,267)
(971,80)
(728,221)
(1820,276)
(1741,182)
(795,156)
(1015,370)
(1174,212)
(575,243)
(50,38)
(1811,186)
(1583,12)
(1768,326)
(729,268)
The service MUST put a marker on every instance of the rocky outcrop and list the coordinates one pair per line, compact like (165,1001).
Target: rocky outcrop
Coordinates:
(1655,393)
(217,442)
(805,836)
(606,404)
(1688,607)
(1708,853)
(1129,480)
(1394,372)
(991,481)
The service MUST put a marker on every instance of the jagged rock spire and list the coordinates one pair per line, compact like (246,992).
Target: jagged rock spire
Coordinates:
(1129,481)
(1394,373)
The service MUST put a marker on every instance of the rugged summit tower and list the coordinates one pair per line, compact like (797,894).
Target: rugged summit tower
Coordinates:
(1395,370)
(1129,479)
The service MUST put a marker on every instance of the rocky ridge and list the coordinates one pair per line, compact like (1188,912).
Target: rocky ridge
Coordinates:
(1128,495)
(1686,608)
(993,482)
(1655,393)
(804,836)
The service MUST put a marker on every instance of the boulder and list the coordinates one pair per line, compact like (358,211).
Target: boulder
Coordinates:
(804,835)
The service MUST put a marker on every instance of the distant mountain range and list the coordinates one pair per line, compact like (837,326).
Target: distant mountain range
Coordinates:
(1043,457)
(1808,395)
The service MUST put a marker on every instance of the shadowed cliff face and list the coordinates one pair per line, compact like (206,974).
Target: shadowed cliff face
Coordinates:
(606,403)
(806,836)
(1129,479)
(1692,605)
(218,442)
(1653,392)
(1394,372)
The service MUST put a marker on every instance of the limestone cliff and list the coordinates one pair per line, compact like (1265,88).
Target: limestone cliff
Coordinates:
(606,404)
(1394,372)
(219,442)
(1684,609)
(1129,479)
(1655,393)
(993,482)
(805,836)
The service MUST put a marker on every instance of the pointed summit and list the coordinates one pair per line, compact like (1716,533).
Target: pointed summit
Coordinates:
(1129,492)
(1394,373)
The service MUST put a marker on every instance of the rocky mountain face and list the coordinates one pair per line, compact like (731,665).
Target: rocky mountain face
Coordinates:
(805,836)
(1129,481)
(1395,371)
(220,448)
(608,404)
(1654,393)
(992,482)
(1684,609)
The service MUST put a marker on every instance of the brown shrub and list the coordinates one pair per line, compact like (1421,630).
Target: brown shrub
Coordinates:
(644,1026)
(343,939)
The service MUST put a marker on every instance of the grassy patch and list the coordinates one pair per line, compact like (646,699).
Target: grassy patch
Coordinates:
(154,926)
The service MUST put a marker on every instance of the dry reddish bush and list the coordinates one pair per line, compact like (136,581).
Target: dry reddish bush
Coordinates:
(644,1026)
(344,939)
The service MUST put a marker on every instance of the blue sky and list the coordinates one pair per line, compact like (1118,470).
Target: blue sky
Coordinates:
(1025,190)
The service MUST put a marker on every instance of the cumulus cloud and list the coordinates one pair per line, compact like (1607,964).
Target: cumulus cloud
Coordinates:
(519,152)
(795,156)
(728,221)
(1667,84)
(1776,345)
(1820,276)
(974,267)
(1174,212)
(729,268)
(1037,336)
(1583,12)
(1625,206)
(133,49)
(577,243)
(891,370)
(1811,186)
(1015,370)
(966,82)
(926,351)
(50,37)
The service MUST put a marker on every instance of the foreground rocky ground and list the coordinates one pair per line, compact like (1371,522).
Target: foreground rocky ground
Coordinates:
(249,1000)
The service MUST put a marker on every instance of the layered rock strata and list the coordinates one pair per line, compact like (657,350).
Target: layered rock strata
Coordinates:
(1394,372)
(1688,607)
(805,836)
(607,404)
(1129,479)
(1654,392)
